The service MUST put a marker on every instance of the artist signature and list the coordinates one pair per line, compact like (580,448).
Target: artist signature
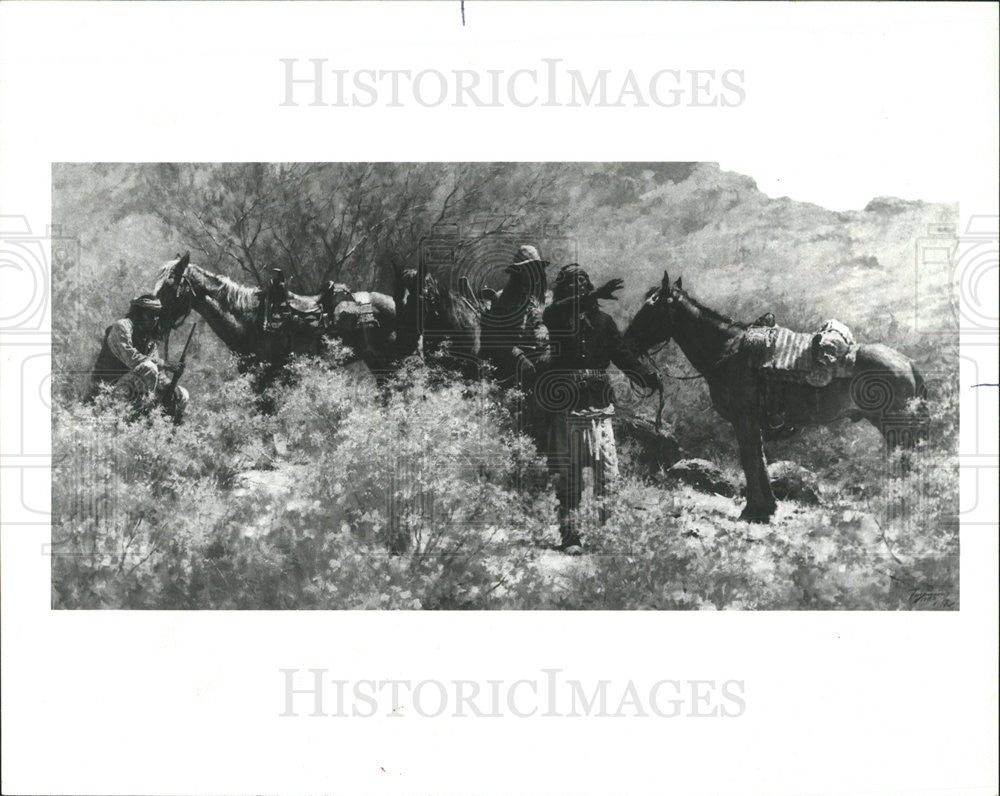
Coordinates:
(932,599)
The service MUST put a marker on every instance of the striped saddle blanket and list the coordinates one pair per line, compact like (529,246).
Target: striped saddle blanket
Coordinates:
(781,353)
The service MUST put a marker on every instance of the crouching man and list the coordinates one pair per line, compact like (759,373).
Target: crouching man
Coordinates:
(575,391)
(129,362)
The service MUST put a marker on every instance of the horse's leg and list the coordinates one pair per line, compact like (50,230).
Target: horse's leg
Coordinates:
(760,499)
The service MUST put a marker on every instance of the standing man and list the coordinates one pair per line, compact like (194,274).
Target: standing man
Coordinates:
(129,361)
(575,391)
(513,336)
(512,328)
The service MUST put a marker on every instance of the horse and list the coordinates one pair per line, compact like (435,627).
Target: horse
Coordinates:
(237,314)
(442,323)
(885,388)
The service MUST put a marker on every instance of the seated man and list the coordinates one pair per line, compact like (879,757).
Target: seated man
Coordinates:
(128,360)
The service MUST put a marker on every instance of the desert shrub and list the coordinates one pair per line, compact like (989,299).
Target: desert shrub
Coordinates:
(918,512)
(409,496)
(885,538)
(132,499)
(692,553)
(419,494)
(431,473)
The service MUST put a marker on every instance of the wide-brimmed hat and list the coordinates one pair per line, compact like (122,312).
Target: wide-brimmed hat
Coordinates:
(147,301)
(526,255)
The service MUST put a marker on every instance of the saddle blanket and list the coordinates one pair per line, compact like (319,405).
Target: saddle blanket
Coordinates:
(788,351)
(782,353)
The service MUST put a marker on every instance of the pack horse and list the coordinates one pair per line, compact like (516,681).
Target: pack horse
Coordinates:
(768,381)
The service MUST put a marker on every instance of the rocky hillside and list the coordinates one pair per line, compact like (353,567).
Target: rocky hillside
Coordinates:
(743,252)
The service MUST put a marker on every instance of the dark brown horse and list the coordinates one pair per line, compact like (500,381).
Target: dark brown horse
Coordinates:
(440,322)
(236,314)
(884,388)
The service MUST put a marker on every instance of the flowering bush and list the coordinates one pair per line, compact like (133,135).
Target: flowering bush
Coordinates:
(418,493)
(406,496)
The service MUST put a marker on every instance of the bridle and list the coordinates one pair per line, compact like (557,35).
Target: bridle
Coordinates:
(184,293)
(653,352)
(650,357)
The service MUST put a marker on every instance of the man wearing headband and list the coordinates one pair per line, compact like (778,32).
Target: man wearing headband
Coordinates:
(575,390)
(129,362)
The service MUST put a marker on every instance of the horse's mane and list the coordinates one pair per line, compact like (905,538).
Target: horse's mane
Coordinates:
(235,295)
(709,313)
(163,275)
(239,297)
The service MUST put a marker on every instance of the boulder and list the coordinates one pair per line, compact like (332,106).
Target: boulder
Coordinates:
(703,476)
(652,448)
(791,481)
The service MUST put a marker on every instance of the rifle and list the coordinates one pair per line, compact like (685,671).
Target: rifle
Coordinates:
(179,371)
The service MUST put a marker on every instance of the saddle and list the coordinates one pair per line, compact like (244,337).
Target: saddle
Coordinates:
(296,314)
(316,314)
(285,311)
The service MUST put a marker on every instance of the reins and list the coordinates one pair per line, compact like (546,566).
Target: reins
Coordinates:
(651,355)
(176,324)
(665,372)
(659,387)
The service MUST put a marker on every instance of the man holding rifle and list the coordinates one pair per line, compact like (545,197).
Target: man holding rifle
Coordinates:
(130,363)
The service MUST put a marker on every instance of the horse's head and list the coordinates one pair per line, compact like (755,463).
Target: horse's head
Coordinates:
(654,322)
(175,292)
